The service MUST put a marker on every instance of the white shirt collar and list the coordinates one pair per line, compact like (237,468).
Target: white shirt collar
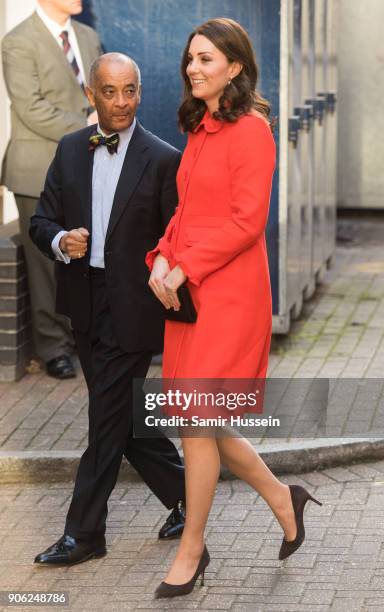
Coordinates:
(125,135)
(54,27)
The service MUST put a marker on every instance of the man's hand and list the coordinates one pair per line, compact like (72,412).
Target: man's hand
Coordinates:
(92,118)
(74,243)
(171,284)
(156,281)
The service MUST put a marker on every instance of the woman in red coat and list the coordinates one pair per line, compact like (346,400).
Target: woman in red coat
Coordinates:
(216,241)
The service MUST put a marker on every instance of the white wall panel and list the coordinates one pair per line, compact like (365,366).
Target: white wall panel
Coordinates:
(360,104)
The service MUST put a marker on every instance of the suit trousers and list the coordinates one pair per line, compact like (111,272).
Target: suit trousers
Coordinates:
(52,334)
(109,372)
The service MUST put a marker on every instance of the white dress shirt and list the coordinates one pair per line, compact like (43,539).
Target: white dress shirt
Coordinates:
(56,29)
(105,176)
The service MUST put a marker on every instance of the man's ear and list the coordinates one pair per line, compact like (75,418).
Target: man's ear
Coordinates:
(139,94)
(90,95)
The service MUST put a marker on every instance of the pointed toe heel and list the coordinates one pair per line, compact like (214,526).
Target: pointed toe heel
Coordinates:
(299,497)
(175,590)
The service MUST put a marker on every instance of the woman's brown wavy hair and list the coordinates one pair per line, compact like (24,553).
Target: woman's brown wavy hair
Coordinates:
(241,95)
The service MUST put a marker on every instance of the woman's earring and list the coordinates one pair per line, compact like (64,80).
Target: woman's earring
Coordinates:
(229,81)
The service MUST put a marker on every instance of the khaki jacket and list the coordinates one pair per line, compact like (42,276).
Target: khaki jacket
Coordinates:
(46,99)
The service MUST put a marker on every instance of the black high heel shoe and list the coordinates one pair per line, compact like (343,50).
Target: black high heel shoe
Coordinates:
(299,498)
(174,590)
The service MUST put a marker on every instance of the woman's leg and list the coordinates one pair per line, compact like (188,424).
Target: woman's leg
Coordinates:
(241,458)
(202,469)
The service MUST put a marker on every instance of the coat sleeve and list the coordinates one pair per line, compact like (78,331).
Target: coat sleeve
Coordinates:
(168,212)
(22,83)
(48,220)
(251,166)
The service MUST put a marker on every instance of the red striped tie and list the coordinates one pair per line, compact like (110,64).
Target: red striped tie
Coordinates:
(71,57)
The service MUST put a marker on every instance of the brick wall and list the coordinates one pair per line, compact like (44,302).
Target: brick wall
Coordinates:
(16,346)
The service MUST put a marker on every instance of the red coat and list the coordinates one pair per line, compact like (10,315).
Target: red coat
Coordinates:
(217,235)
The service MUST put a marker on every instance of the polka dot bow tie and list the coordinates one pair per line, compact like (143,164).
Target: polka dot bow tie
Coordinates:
(111,142)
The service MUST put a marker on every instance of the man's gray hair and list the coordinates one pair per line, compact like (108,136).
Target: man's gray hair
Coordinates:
(112,57)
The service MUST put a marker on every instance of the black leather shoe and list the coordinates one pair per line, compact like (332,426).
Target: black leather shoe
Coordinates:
(174,525)
(69,551)
(61,367)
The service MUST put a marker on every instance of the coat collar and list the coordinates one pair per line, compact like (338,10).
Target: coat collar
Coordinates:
(210,124)
(54,50)
(86,52)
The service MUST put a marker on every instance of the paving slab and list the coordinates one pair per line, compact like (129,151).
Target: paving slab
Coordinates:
(339,567)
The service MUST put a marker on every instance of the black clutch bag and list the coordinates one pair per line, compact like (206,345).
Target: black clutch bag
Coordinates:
(187,312)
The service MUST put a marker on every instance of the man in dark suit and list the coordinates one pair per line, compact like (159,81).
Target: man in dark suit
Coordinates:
(108,195)
(45,62)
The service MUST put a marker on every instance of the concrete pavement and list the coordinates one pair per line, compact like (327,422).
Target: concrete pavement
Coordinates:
(339,568)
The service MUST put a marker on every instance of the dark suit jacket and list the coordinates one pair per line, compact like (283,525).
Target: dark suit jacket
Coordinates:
(144,201)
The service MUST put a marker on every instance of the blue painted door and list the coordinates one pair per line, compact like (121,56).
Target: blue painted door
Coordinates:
(154,33)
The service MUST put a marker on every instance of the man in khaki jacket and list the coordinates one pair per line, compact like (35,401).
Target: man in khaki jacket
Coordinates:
(46,61)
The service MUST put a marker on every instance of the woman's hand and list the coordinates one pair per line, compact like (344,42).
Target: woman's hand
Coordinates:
(160,270)
(171,284)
